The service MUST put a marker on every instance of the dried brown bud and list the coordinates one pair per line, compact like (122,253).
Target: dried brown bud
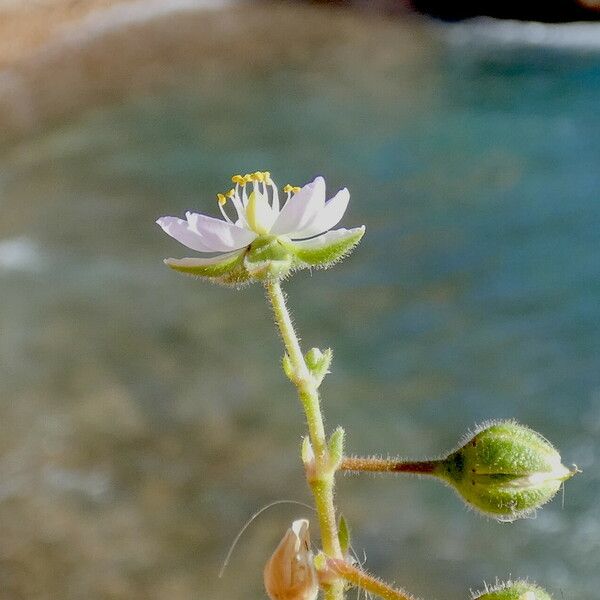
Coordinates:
(290,573)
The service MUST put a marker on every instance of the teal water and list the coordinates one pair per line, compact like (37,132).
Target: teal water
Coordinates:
(144,417)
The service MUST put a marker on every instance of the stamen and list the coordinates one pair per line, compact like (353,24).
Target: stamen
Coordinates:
(256,178)
(245,195)
(222,200)
(239,207)
(291,189)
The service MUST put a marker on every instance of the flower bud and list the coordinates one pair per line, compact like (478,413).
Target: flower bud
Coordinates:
(290,573)
(513,590)
(505,470)
(318,363)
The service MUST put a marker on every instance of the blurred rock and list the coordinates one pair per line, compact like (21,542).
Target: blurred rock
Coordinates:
(532,10)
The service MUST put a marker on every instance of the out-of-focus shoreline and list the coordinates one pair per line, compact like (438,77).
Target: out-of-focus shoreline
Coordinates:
(59,57)
(485,32)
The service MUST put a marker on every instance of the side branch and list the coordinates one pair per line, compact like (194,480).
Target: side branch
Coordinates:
(381,465)
(366,581)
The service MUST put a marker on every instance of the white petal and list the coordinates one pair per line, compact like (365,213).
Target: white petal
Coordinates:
(327,217)
(300,209)
(220,235)
(180,230)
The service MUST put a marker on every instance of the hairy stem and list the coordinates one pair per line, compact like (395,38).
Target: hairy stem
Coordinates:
(377,465)
(321,478)
(365,580)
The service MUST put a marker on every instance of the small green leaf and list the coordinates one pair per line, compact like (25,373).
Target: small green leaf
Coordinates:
(308,455)
(318,363)
(344,535)
(336,448)
(313,358)
(288,368)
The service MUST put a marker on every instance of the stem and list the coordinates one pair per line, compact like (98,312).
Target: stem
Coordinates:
(376,465)
(366,581)
(321,479)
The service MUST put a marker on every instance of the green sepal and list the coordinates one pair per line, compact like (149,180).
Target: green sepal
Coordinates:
(334,246)
(227,269)
(513,590)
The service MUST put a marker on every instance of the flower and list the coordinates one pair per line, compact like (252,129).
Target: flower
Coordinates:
(262,240)
(290,573)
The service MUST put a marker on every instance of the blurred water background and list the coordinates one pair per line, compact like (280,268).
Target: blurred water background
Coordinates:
(144,416)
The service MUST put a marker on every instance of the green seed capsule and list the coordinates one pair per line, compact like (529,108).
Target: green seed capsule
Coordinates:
(505,470)
(514,590)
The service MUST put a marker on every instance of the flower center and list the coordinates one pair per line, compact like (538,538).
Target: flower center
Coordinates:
(256,209)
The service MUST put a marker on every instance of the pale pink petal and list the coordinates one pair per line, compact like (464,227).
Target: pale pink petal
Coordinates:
(220,235)
(329,216)
(300,209)
(200,262)
(180,230)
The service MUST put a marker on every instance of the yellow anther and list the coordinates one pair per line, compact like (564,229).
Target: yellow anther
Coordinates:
(268,179)
(221,199)
(230,193)
(291,189)
(248,178)
(239,179)
(258,176)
